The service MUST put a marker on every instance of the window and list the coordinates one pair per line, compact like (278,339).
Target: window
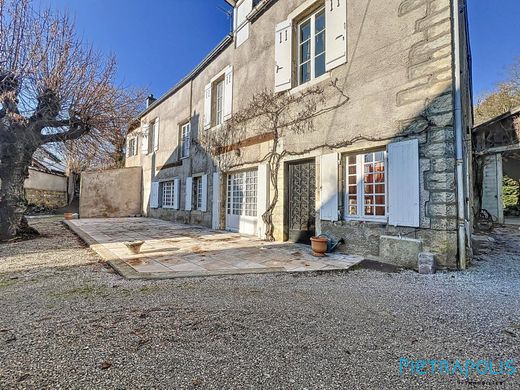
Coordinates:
(219,102)
(366,186)
(132,147)
(167,194)
(242,194)
(151,137)
(311,47)
(197,193)
(185,140)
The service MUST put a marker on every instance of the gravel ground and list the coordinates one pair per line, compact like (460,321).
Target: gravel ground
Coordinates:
(67,321)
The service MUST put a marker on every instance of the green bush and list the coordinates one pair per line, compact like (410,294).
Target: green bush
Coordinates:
(510,192)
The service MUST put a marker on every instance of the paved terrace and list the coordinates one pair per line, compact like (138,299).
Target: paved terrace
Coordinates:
(173,250)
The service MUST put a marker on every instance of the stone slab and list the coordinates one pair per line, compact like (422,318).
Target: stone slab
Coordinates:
(400,251)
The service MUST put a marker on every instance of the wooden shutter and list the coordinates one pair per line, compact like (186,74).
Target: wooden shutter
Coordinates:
(215,206)
(329,187)
(228,93)
(283,56)
(176,193)
(336,33)
(204,202)
(189,189)
(262,197)
(154,195)
(403,183)
(207,107)
(156,135)
(144,140)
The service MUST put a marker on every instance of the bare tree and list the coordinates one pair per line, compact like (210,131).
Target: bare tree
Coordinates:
(53,88)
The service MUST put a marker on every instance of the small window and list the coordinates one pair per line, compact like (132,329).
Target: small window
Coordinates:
(167,194)
(311,47)
(218,103)
(197,193)
(132,147)
(185,140)
(366,186)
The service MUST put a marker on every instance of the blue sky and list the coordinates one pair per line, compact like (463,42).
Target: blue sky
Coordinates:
(156,45)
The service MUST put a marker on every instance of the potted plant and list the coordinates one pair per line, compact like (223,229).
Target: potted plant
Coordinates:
(319,246)
(134,246)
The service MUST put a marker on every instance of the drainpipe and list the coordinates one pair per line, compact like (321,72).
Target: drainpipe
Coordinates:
(459,135)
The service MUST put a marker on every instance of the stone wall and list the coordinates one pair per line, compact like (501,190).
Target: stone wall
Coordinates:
(109,194)
(47,198)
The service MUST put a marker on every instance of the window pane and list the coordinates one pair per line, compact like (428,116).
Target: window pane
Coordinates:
(305,73)
(320,65)
(379,156)
(380,177)
(352,180)
(305,31)
(320,43)
(369,189)
(320,21)
(380,211)
(380,188)
(352,160)
(380,199)
(369,157)
(305,52)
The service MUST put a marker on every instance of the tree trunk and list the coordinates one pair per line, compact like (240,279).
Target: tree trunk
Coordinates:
(14,169)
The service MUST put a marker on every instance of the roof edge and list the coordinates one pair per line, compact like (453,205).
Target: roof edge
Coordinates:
(511,112)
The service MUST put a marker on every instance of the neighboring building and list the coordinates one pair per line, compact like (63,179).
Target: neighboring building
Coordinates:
(399,63)
(497,154)
(47,184)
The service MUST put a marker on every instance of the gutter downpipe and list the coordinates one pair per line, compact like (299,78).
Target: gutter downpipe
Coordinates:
(459,136)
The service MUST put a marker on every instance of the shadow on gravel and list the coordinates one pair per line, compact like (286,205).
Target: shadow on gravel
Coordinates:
(374,265)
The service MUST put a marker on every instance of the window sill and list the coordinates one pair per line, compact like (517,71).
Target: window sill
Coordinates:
(168,208)
(311,83)
(383,220)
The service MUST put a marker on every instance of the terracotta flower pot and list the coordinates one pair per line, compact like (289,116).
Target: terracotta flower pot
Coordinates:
(68,216)
(319,246)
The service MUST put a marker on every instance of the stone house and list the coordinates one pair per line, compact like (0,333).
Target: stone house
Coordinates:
(386,170)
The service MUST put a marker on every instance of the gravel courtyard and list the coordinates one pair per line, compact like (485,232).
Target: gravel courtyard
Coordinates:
(67,321)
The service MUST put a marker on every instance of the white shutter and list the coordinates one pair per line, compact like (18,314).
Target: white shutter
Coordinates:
(128,151)
(156,135)
(262,197)
(144,140)
(207,107)
(204,202)
(403,183)
(189,189)
(283,56)
(228,93)
(154,195)
(215,205)
(336,37)
(176,193)
(329,187)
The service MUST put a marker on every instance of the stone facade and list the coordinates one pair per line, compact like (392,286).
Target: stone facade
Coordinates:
(47,198)
(398,77)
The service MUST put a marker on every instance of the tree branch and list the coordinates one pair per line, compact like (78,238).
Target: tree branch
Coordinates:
(75,131)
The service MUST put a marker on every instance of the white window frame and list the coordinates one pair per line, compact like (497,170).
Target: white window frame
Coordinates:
(242,193)
(312,40)
(197,193)
(360,188)
(185,140)
(219,101)
(168,192)
(132,147)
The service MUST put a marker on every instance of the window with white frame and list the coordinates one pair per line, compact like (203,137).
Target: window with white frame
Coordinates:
(219,102)
(366,186)
(168,188)
(185,140)
(132,147)
(197,193)
(311,47)
(242,193)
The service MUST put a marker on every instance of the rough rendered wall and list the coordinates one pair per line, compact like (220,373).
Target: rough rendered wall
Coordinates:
(45,189)
(110,194)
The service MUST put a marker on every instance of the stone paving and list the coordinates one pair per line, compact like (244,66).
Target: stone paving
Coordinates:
(173,250)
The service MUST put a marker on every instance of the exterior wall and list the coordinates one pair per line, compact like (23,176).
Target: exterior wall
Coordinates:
(399,81)
(45,189)
(110,194)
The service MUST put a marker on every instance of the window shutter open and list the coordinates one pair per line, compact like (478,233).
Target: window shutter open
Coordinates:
(215,215)
(144,140)
(156,135)
(176,193)
(189,189)
(154,195)
(228,93)
(204,202)
(329,187)
(336,37)
(262,197)
(403,183)
(283,56)
(207,107)
(128,151)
